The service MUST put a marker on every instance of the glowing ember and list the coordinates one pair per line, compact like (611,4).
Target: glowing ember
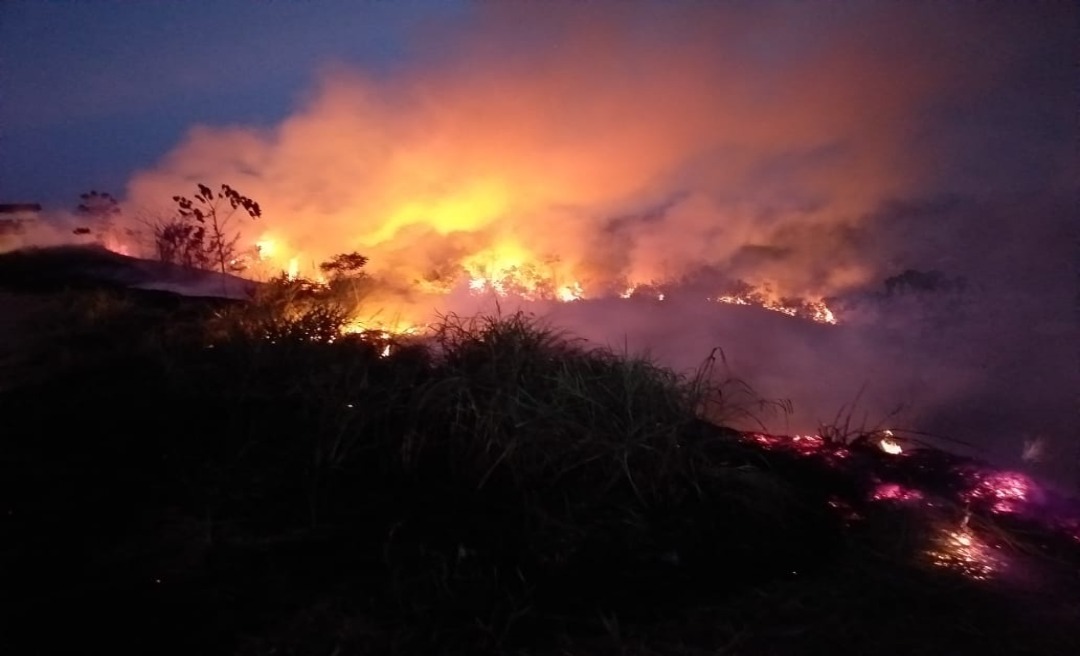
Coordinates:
(379,332)
(116,245)
(803,444)
(808,442)
(962,551)
(1007,491)
(768,441)
(890,446)
(895,492)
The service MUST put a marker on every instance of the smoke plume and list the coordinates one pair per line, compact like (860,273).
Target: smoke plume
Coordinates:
(815,150)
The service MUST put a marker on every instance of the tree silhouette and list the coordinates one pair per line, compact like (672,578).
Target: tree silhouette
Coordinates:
(180,242)
(199,235)
(98,209)
(344,265)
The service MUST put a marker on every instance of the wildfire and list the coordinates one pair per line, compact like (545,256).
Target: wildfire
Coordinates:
(468,209)
(509,268)
(962,551)
(571,292)
(511,271)
(1006,491)
(266,248)
(470,170)
(821,312)
(732,300)
(381,332)
(381,329)
(895,492)
(801,444)
(816,311)
(888,444)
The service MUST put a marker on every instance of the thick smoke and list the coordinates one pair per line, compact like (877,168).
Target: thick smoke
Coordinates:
(819,149)
(627,150)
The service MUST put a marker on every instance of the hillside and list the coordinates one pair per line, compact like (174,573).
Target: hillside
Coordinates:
(199,476)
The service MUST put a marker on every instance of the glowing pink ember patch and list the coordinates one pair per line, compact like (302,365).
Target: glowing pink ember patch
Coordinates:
(1007,490)
(769,441)
(807,442)
(895,492)
(801,443)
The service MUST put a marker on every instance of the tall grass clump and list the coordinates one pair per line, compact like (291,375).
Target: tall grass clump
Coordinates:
(580,475)
(498,465)
(514,462)
(471,481)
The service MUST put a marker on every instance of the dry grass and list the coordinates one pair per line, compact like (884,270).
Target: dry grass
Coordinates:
(497,488)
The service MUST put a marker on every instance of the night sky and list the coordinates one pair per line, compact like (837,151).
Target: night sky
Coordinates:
(93,91)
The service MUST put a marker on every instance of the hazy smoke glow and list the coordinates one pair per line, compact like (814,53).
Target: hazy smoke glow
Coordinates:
(629,151)
(596,147)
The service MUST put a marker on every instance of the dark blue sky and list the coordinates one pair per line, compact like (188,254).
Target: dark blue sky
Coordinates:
(95,90)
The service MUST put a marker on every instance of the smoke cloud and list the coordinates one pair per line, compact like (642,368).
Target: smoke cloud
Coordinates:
(817,149)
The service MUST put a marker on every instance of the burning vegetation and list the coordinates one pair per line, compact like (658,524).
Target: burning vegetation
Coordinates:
(203,232)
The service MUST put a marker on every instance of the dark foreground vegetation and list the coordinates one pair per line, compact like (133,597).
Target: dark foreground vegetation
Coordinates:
(186,476)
